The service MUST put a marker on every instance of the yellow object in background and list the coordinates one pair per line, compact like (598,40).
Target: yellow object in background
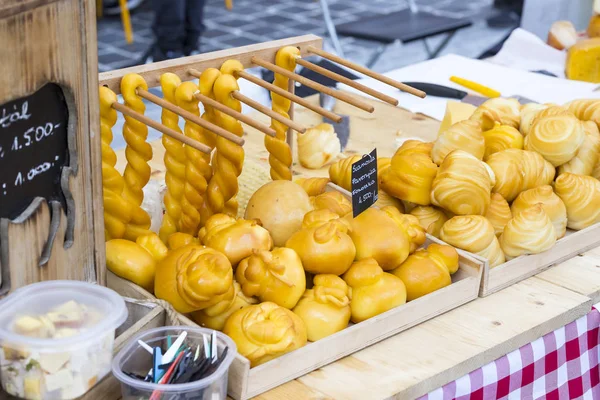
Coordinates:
(456,112)
(131,261)
(476,87)
(582,61)
(126,19)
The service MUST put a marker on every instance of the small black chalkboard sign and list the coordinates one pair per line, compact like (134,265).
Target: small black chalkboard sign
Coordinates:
(365,190)
(33,149)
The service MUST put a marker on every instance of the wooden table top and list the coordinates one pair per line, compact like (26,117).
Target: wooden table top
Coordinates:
(442,349)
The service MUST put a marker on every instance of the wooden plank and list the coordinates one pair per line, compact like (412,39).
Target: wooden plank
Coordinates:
(443,349)
(180,66)
(580,274)
(47,41)
(523,267)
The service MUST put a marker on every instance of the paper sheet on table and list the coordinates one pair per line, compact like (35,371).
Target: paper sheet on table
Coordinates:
(525,51)
(508,81)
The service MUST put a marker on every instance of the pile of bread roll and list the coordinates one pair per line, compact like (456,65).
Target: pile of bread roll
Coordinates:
(506,182)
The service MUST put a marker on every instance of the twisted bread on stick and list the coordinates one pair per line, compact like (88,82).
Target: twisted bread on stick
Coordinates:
(117,211)
(138,152)
(174,159)
(280,154)
(197,167)
(229,157)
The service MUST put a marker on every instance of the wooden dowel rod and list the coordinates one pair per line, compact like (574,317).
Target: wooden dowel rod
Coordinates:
(314,85)
(340,78)
(267,111)
(292,97)
(366,71)
(161,128)
(235,114)
(191,117)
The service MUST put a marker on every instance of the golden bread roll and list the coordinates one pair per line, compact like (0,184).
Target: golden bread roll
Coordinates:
(279,206)
(340,172)
(464,135)
(193,278)
(518,170)
(474,234)
(410,224)
(585,109)
(431,219)
(236,238)
(557,138)
(214,317)
(325,309)
(180,239)
(316,218)
(587,156)
(373,290)
(498,213)
(275,276)
(333,201)
(131,261)
(325,248)
(508,111)
(265,331)
(384,199)
(376,235)
(529,112)
(427,270)
(562,35)
(529,232)
(317,146)
(152,243)
(313,186)
(411,173)
(501,137)
(581,195)
(463,184)
(551,203)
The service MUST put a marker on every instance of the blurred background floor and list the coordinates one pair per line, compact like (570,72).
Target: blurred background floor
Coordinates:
(254,21)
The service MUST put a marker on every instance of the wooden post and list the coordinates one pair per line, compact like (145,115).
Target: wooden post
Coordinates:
(51,224)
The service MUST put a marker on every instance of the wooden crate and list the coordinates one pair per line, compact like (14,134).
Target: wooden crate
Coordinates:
(523,267)
(246,382)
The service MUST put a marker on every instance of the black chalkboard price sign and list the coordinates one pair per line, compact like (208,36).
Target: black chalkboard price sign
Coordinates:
(365,190)
(33,151)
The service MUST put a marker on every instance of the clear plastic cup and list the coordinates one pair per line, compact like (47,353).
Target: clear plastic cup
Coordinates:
(57,338)
(134,359)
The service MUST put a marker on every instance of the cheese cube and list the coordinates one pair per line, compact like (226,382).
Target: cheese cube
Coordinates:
(53,362)
(456,112)
(60,380)
(32,386)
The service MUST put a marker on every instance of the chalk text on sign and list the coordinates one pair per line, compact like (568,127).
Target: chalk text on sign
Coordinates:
(9,117)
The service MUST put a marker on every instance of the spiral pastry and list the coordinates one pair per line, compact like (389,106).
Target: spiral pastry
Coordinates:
(117,212)
(265,331)
(498,213)
(586,110)
(280,154)
(501,137)
(475,234)
(557,138)
(551,203)
(509,111)
(529,232)
(174,160)
(464,135)
(529,112)
(587,156)
(518,170)
(581,195)
(197,166)
(229,157)
(463,184)
(313,186)
(138,152)
(430,218)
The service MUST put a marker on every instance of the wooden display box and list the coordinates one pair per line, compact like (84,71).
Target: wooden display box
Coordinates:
(523,267)
(246,382)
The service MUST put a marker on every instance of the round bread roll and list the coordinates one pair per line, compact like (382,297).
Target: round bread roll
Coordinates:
(557,138)
(551,203)
(529,232)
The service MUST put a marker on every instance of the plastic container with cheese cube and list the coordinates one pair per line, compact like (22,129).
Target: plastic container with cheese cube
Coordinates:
(56,338)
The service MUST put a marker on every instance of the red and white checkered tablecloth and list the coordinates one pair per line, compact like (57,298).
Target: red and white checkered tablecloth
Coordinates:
(563,364)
